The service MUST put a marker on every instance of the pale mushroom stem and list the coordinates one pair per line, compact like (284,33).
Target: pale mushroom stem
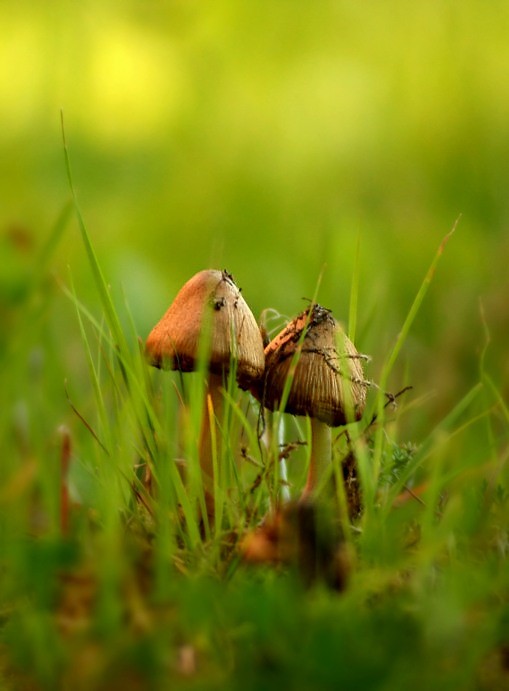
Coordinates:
(321,456)
(213,403)
(283,472)
(272,447)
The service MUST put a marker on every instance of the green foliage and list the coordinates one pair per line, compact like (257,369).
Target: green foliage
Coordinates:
(134,588)
(287,142)
(395,464)
(267,140)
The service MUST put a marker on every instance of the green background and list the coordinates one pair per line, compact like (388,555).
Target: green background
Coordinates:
(279,140)
(271,139)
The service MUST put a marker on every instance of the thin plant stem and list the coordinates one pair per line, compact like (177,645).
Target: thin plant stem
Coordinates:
(370,489)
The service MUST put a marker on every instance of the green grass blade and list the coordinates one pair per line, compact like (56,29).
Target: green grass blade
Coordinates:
(442,431)
(107,302)
(50,245)
(94,376)
(416,305)
(370,489)
(354,293)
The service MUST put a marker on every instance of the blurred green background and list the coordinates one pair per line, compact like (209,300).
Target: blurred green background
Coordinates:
(268,138)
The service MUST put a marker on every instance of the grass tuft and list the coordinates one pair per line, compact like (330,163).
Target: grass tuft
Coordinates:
(111,575)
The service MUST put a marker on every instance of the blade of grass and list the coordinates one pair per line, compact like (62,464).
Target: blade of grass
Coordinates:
(120,344)
(50,245)
(370,489)
(441,431)
(354,292)
(139,393)
(494,392)
(94,377)
(416,305)
(104,293)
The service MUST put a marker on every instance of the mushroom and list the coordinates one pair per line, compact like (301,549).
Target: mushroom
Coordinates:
(211,306)
(313,369)
(301,534)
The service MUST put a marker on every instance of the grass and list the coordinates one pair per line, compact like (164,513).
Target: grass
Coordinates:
(125,588)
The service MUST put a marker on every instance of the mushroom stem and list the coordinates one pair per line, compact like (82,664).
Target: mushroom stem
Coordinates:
(321,456)
(209,439)
(283,471)
(273,439)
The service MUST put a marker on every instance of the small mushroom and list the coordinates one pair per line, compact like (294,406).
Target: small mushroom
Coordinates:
(327,381)
(209,304)
(302,534)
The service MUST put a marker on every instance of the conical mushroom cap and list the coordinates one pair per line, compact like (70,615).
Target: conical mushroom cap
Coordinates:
(328,381)
(209,300)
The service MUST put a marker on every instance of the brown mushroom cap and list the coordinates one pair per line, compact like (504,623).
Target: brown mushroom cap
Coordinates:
(328,381)
(210,294)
